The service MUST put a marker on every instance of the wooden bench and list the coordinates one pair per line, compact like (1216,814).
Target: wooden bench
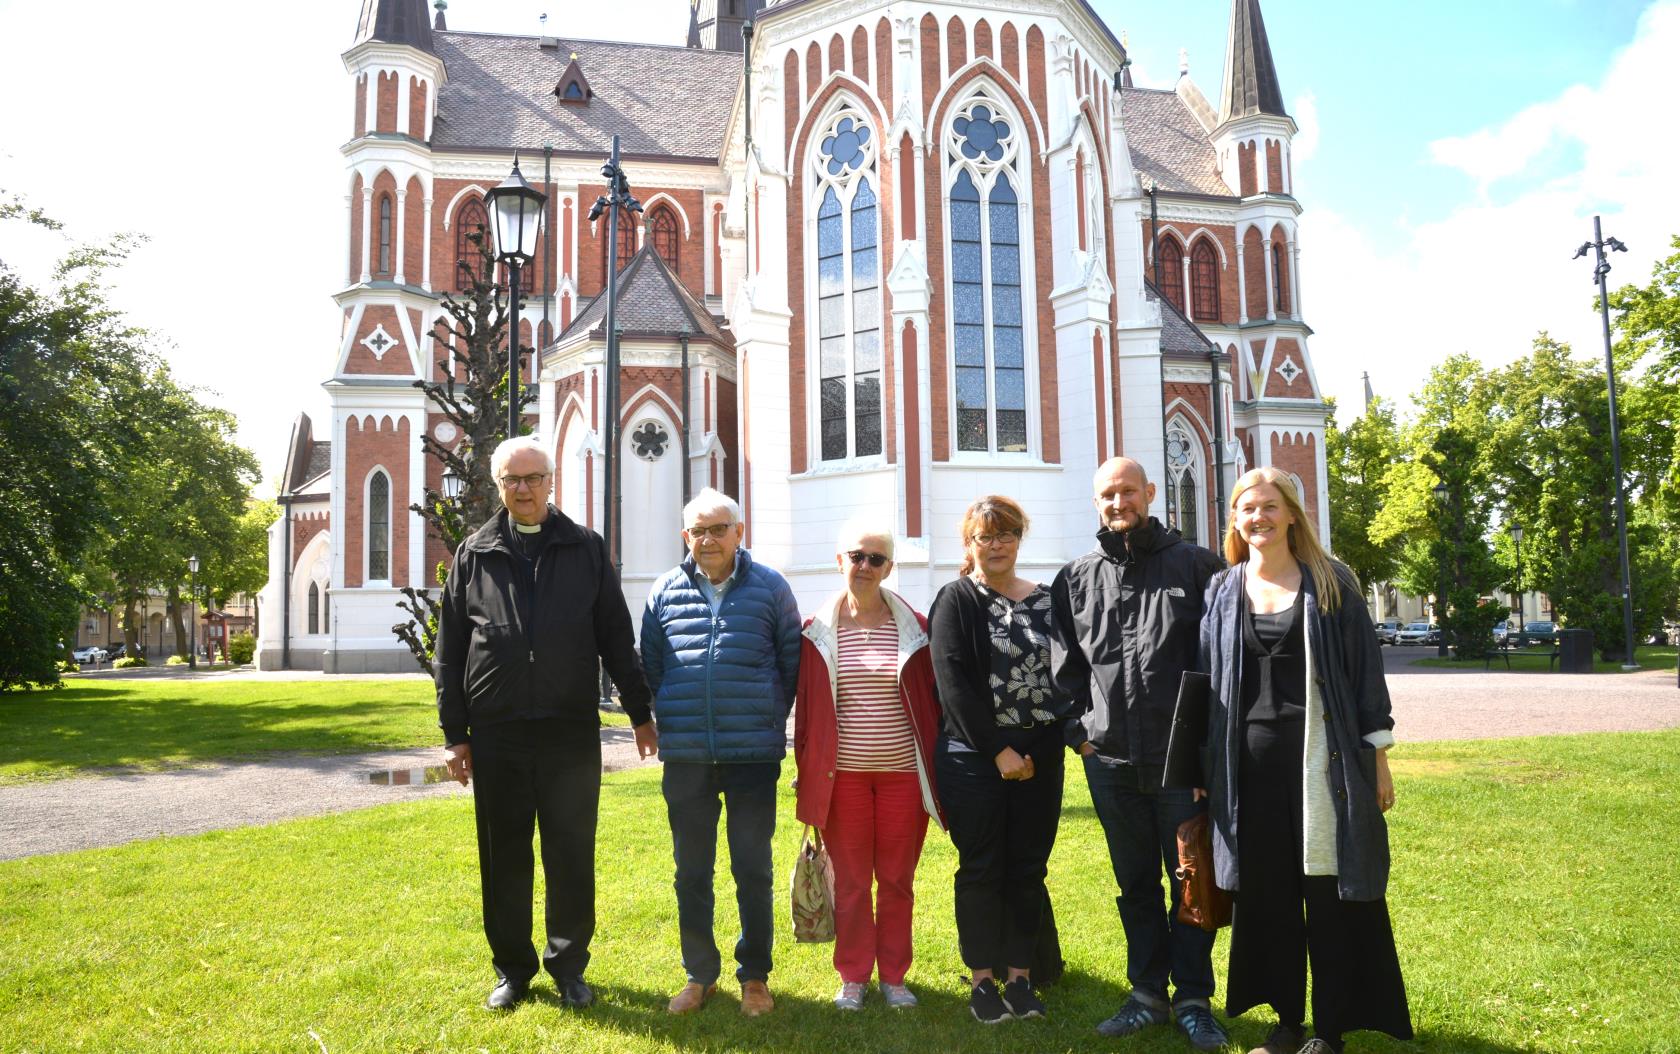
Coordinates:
(1503,651)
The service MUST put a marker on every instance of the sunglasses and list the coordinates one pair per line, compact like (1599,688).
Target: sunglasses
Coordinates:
(858,558)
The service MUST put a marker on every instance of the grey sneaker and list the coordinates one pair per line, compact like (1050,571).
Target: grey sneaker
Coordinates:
(1203,1030)
(850,996)
(898,996)
(1132,1018)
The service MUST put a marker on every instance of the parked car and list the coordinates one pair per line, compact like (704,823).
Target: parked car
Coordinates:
(1501,632)
(120,650)
(1418,633)
(90,653)
(1386,629)
(1540,632)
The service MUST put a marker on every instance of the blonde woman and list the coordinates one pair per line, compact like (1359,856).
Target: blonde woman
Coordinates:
(1298,736)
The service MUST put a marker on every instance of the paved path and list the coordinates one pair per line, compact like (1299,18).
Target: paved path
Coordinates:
(81,813)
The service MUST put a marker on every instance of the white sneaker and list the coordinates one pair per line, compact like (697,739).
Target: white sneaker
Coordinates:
(850,996)
(898,996)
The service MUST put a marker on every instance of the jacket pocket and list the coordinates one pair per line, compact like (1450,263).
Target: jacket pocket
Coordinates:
(494,653)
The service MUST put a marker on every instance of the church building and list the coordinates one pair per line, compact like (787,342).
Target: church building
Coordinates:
(894,256)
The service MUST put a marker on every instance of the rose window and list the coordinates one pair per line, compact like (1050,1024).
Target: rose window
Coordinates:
(844,151)
(649,440)
(982,135)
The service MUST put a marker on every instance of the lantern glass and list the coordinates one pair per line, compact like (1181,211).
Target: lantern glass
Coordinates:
(1441,492)
(1516,533)
(516,217)
(192,564)
(451,484)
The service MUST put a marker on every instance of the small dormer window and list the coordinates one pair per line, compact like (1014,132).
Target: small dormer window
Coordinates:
(573,87)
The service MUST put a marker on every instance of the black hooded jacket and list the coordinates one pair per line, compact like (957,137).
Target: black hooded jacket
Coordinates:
(1127,619)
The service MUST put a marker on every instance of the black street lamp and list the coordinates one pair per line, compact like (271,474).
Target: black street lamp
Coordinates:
(452,483)
(617,199)
(516,209)
(192,601)
(1516,541)
(1441,494)
(1600,272)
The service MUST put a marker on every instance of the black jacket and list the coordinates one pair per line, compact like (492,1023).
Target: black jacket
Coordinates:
(1127,617)
(495,665)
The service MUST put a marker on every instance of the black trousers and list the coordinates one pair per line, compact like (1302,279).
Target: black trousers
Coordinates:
(1284,919)
(547,774)
(1004,831)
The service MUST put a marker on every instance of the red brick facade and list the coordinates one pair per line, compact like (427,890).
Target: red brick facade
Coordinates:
(375,442)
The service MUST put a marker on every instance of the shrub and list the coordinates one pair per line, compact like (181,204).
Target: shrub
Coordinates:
(129,662)
(66,666)
(176,660)
(242,647)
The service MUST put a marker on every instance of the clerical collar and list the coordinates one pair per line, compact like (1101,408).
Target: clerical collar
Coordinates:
(527,528)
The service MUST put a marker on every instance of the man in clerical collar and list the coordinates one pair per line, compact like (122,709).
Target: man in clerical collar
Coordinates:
(531,610)
(720,643)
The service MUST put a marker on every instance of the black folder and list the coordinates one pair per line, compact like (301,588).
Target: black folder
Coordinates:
(1189,732)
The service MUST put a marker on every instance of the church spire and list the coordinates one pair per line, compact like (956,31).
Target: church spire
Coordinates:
(693,23)
(395,22)
(1251,82)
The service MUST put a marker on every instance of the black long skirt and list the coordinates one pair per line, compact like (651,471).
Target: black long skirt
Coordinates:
(1283,919)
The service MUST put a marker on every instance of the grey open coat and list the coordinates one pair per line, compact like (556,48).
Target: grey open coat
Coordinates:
(1348,720)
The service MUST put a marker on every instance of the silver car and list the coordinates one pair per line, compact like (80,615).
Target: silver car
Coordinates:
(1415,633)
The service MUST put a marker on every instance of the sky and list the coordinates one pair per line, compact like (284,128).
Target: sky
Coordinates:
(1449,161)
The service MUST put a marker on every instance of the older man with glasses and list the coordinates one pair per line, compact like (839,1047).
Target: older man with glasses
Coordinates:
(531,609)
(720,642)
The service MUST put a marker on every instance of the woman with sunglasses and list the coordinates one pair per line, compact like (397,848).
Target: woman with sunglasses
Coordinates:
(865,719)
(999,760)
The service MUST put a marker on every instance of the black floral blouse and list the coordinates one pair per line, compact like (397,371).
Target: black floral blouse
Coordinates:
(1022,693)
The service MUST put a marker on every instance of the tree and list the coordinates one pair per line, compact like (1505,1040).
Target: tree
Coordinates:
(1360,461)
(472,393)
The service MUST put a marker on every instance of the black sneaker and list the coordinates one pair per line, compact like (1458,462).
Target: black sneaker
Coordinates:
(986,1005)
(1132,1018)
(1204,1032)
(1018,997)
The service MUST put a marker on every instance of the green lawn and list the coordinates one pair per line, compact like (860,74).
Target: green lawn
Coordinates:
(159,723)
(1536,660)
(1533,898)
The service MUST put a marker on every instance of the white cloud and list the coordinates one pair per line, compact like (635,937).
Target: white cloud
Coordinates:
(1305,142)
(1487,275)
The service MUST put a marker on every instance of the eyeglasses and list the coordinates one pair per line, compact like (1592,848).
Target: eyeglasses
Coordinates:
(986,541)
(858,558)
(515,482)
(716,531)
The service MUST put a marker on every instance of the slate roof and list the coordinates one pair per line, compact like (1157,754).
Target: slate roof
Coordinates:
(1169,146)
(650,301)
(1251,81)
(396,22)
(666,101)
(320,460)
(1179,335)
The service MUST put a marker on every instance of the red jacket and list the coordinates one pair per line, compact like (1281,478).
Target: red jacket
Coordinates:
(816,735)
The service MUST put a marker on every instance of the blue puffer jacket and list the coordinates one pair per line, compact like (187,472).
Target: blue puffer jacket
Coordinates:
(723,684)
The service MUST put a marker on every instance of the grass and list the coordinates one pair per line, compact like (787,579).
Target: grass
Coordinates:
(1537,660)
(1532,895)
(144,723)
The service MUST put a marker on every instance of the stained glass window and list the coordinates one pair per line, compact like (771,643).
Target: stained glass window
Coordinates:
(471,227)
(384,235)
(1204,281)
(626,244)
(1278,276)
(662,229)
(1172,271)
(1182,468)
(314,607)
(848,294)
(379,528)
(831,324)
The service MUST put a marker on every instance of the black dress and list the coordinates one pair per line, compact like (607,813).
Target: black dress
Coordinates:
(1356,972)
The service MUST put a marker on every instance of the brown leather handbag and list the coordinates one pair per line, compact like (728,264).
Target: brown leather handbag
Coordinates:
(1202,903)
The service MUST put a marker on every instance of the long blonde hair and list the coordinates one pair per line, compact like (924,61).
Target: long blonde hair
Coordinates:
(1303,540)
(990,515)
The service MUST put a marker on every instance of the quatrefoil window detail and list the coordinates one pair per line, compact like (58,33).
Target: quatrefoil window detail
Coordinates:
(982,134)
(1289,371)
(844,151)
(649,440)
(379,341)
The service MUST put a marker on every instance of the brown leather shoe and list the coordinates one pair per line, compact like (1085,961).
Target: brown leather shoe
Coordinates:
(755,998)
(691,998)
(1284,1039)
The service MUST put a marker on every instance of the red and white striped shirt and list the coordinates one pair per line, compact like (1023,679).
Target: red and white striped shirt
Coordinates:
(875,734)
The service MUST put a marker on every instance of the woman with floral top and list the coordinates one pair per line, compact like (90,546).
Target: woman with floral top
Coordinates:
(999,757)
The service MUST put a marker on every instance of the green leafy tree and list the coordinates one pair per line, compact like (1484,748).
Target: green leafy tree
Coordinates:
(1360,461)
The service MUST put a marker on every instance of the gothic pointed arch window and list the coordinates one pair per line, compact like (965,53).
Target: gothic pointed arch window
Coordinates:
(665,234)
(471,228)
(989,330)
(1183,474)
(847,294)
(385,241)
(1204,281)
(314,607)
(1280,278)
(626,244)
(1172,270)
(379,527)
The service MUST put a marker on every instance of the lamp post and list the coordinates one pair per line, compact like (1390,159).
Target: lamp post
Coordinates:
(1516,541)
(516,209)
(192,608)
(1441,494)
(452,483)
(617,199)
(1600,272)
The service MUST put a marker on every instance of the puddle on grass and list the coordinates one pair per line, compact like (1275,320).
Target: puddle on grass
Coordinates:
(409,777)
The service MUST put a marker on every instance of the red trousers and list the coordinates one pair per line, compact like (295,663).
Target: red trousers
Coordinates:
(876,825)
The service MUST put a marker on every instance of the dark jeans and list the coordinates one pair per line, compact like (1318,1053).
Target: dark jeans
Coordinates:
(1140,821)
(549,774)
(1004,831)
(694,795)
